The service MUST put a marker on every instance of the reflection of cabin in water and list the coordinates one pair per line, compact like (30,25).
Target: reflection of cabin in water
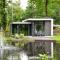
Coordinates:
(40,30)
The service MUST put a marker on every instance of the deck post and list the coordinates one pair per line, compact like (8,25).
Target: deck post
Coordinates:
(51,49)
(51,27)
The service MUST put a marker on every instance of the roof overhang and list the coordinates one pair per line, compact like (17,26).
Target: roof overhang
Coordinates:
(20,23)
(36,19)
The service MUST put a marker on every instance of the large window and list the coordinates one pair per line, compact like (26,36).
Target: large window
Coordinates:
(39,28)
(21,29)
(14,28)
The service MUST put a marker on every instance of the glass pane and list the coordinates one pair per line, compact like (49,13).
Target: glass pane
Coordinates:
(14,29)
(39,28)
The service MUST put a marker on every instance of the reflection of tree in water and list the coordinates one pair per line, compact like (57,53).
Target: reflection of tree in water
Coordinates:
(40,48)
(35,48)
(5,55)
(28,48)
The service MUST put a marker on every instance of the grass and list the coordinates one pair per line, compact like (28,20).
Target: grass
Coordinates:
(57,38)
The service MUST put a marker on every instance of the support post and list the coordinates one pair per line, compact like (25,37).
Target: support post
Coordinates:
(52,27)
(51,49)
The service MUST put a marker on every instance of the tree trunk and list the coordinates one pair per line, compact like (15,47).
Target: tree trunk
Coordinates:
(46,8)
(3,14)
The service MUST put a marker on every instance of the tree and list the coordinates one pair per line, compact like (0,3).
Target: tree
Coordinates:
(18,12)
(36,8)
(6,12)
(3,13)
(14,13)
(44,8)
(54,9)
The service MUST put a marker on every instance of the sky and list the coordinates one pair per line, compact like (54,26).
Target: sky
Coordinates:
(23,3)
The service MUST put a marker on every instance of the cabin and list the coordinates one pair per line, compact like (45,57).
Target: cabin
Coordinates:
(40,30)
(33,27)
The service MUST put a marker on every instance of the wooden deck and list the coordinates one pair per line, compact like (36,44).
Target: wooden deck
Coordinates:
(41,38)
(36,38)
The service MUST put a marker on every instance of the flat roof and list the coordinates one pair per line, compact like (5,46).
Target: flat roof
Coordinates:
(20,23)
(37,19)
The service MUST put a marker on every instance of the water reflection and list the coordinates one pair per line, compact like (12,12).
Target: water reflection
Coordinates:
(8,52)
(18,56)
(23,56)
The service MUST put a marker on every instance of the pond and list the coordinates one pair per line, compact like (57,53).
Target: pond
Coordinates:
(9,52)
(13,55)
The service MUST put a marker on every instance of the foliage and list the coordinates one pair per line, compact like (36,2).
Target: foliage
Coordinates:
(18,40)
(23,40)
(44,8)
(43,57)
(56,51)
(14,12)
(10,12)
(16,35)
(57,38)
(35,9)
(57,47)
(8,40)
(3,13)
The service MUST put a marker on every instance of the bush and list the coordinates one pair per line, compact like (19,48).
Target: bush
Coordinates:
(43,57)
(20,40)
(8,40)
(16,35)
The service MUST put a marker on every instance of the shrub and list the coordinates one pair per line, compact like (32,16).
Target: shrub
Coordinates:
(8,40)
(20,40)
(16,35)
(43,57)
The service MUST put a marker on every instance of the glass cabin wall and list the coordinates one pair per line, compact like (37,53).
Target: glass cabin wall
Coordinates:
(14,29)
(47,29)
(41,28)
(38,28)
(21,29)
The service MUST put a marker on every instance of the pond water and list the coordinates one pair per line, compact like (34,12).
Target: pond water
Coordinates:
(13,55)
(8,52)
